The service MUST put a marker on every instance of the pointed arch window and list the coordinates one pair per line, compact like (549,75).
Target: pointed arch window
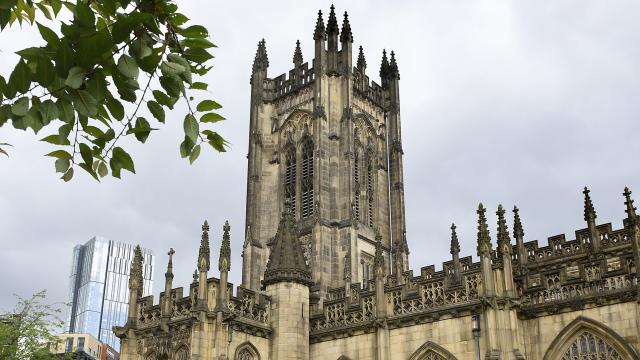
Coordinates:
(370,189)
(589,346)
(306,187)
(290,178)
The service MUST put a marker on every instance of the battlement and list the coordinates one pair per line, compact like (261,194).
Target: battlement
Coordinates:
(369,90)
(283,85)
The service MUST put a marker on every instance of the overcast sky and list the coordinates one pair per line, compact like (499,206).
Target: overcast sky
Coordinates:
(521,102)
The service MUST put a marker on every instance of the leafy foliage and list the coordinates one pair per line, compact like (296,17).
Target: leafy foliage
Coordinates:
(28,332)
(77,85)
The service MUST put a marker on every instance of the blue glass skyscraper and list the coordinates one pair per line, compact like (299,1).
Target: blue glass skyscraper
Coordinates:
(98,287)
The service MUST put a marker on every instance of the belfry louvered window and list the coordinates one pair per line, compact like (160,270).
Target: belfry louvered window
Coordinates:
(370,190)
(356,186)
(290,178)
(306,187)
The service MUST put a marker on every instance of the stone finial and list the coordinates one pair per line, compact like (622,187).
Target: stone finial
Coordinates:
(589,211)
(378,260)
(332,23)
(393,67)
(286,260)
(195,275)
(484,241)
(504,241)
(631,210)
(204,252)
(518,231)
(169,272)
(224,262)
(384,65)
(135,277)
(455,244)
(261,61)
(319,33)
(362,63)
(297,55)
(346,34)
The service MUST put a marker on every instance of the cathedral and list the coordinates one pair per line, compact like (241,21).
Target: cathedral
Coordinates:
(325,271)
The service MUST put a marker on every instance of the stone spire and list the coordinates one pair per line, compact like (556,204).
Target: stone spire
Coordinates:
(455,244)
(168,279)
(204,252)
(484,241)
(589,211)
(286,261)
(346,34)
(297,55)
(362,63)
(518,233)
(504,241)
(319,33)
(135,279)
(224,262)
(261,61)
(384,66)
(332,23)
(632,217)
(169,273)
(393,67)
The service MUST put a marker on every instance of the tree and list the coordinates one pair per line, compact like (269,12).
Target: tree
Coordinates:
(83,86)
(28,332)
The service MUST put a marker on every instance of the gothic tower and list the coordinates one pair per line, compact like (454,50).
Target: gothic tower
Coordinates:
(327,141)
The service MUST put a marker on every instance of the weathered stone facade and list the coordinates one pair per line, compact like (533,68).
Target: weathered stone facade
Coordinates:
(329,278)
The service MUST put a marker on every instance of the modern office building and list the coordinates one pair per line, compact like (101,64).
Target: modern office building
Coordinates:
(98,287)
(83,347)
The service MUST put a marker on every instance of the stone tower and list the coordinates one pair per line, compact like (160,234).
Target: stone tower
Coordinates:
(327,141)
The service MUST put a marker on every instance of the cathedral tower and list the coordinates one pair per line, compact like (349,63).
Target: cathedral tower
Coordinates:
(327,141)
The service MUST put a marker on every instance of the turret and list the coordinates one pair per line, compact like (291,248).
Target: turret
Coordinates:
(590,218)
(455,253)
(287,280)
(518,233)
(346,39)
(224,265)
(504,251)
(203,267)
(384,70)
(260,65)
(168,280)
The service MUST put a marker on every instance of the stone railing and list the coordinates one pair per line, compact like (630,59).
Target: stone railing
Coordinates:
(283,86)
(246,308)
(335,315)
(369,90)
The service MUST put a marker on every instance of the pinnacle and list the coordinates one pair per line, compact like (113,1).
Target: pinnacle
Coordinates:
(384,65)
(224,262)
(362,63)
(319,33)
(135,279)
(297,54)
(393,67)
(455,244)
(204,252)
(332,23)
(346,34)
(589,211)
(631,210)
(261,61)
(518,232)
(484,241)
(504,242)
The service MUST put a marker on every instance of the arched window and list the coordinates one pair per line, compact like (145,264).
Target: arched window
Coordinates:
(370,189)
(182,354)
(586,339)
(431,351)
(246,351)
(307,178)
(290,178)
(244,354)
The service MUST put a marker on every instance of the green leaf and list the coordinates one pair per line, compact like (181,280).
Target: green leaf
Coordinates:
(211,118)
(85,103)
(49,111)
(75,77)
(45,72)
(62,165)
(64,58)
(191,127)
(215,140)
(142,129)
(97,86)
(7,4)
(55,140)
(20,107)
(88,169)
(5,114)
(115,107)
(139,49)
(199,43)
(208,105)
(84,15)
(172,86)
(128,67)
(194,154)
(92,49)
(124,26)
(48,35)
(31,53)
(198,55)
(184,74)
(179,19)
(156,110)
(66,111)
(85,152)
(199,86)
(120,160)
(163,99)
(194,31)
(21,77)
(185,147)
(170,68)
(68,175)
(102,169)
(60,154)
